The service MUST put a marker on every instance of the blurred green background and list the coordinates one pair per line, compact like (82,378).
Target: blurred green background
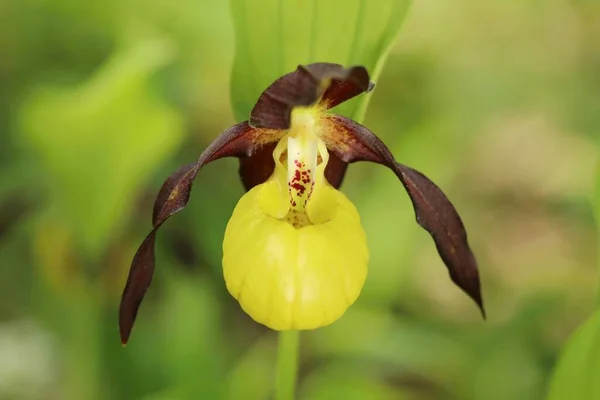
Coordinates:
(497,102)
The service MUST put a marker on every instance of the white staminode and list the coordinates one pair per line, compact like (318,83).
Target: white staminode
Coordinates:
(302,145)
(302,156)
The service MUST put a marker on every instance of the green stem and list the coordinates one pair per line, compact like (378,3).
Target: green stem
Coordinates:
(287,365)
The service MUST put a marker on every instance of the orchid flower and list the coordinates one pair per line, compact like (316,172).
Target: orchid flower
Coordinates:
(295,255)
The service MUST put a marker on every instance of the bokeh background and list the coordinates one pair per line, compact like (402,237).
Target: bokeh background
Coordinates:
(497,102)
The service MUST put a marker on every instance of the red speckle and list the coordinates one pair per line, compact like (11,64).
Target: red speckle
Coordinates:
(298,188)
(296,177)
(300,181)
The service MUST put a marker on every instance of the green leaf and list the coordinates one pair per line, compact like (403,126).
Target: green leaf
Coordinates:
(98,143)
(277,36)
(576,374)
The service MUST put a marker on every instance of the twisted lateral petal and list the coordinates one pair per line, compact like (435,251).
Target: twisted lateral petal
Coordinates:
(353,142)
(238,141)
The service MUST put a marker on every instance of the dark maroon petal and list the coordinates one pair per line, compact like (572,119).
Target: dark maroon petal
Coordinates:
(238,141)
(353,142)
(335,170)
(167,189)
(138,281)
(332,83)
(340,91)
(257,168)
(438,216)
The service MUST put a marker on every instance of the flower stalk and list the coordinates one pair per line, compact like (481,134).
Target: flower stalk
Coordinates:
(288,348)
